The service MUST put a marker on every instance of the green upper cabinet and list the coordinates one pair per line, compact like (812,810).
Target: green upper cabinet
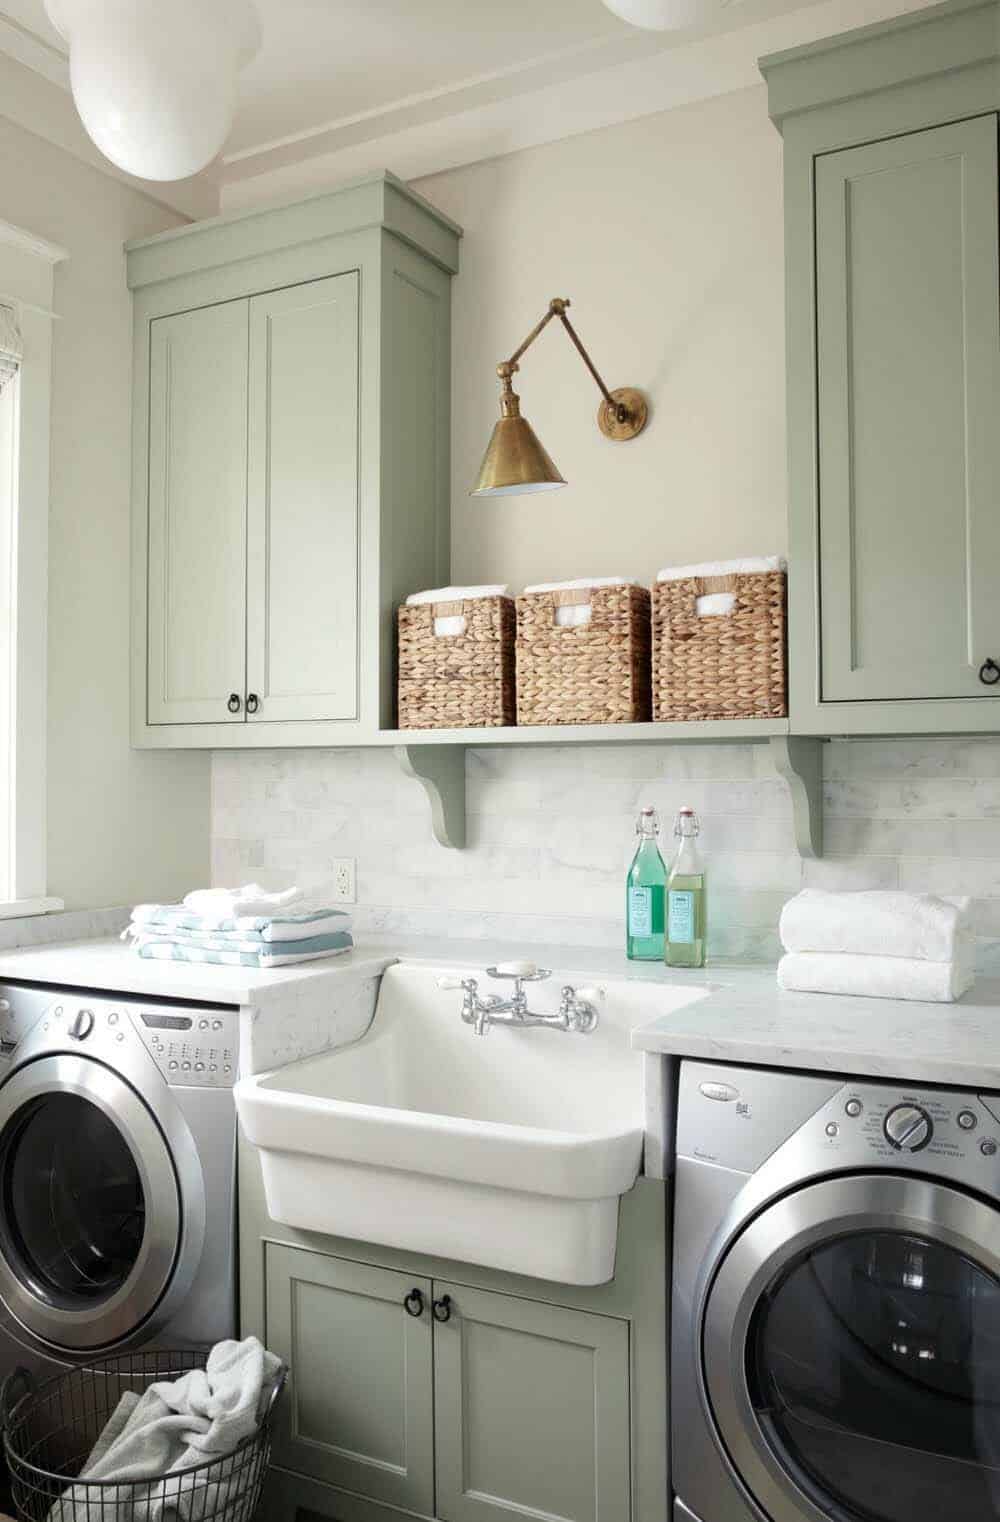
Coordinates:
(893,339)
(290,464)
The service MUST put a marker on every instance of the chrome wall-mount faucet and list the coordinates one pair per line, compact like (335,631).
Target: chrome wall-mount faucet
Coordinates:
(577,1006)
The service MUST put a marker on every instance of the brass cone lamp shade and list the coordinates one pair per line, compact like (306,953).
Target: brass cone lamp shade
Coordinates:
(515,462)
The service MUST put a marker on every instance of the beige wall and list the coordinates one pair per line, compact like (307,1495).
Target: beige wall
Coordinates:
(123,825)
(666,234)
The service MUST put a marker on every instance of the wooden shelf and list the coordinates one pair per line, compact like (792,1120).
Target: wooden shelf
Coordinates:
(436,759)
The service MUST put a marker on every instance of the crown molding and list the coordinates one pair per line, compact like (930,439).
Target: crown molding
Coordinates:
(13,236)
(478,121)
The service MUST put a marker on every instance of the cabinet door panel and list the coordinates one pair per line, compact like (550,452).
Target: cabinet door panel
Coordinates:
(908,348)
(196,650)
(357,1410)
(302,627)
(531,1411)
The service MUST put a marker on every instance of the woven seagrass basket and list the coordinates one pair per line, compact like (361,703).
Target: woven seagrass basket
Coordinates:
(725,666)
(462,680)
(591,673)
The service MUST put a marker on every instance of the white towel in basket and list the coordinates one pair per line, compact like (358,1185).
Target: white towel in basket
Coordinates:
(169,1429)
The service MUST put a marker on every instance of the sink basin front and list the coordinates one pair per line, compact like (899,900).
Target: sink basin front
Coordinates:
(509,1150)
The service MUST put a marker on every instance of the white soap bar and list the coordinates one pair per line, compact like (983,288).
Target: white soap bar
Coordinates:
(517,969)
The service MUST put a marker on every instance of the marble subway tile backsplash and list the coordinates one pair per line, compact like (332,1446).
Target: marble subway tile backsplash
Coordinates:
(551,833)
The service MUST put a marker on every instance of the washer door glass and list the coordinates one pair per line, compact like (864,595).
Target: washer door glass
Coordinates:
(873,1368)
(73,1205)
(90,1219)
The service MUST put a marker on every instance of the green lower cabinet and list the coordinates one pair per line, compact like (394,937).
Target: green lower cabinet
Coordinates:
(531,1411)
(357,1412)
(411,1397)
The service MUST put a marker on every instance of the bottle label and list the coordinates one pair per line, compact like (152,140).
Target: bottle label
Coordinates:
(640,911)
(680,916)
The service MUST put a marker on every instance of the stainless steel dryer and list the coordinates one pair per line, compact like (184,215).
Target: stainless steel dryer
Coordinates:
(836,1300)
(117,1164)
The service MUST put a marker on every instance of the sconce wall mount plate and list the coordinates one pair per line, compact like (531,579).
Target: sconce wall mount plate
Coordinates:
(609,418)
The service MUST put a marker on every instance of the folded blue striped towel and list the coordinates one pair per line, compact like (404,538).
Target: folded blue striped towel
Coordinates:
(175,919)
(164,948)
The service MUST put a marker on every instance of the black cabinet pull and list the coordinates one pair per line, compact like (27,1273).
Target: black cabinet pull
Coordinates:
(442,1308)
(234,703)
(989,672)
(253,702)
(414,1303)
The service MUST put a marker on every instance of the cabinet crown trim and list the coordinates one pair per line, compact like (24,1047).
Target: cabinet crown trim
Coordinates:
(954,35)
(380,200)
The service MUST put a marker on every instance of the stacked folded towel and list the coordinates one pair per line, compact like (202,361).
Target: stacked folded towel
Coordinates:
(883,944)
(240,927)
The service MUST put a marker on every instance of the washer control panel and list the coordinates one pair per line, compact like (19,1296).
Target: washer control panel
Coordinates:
(191,1047)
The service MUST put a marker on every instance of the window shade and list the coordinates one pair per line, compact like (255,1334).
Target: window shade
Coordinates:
(11,348)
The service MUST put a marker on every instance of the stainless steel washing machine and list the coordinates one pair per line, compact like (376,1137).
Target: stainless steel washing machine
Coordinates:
(117,1170)
(836,1300)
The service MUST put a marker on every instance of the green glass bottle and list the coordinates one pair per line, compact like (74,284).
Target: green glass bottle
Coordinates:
(687,905)
(645,890)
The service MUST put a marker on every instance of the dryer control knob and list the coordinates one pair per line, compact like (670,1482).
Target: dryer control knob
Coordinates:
(82,1024)
(908,1128)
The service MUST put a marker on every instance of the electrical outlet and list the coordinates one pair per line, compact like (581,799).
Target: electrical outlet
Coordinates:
(345,890)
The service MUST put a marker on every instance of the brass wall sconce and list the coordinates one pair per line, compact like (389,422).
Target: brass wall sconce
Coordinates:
(515,460)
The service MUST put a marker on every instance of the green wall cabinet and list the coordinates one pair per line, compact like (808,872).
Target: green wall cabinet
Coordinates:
(893,336)
(445,1400)
(291,464)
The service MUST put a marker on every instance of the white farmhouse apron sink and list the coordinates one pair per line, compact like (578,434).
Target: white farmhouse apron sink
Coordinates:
(510,1150)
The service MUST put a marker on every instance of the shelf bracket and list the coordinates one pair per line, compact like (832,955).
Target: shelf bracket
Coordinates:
(440,769)
(799,759)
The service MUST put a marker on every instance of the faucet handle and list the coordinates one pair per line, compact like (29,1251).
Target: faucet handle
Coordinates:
(588,995)
(451,980)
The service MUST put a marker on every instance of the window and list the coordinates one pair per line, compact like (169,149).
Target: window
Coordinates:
(26,317)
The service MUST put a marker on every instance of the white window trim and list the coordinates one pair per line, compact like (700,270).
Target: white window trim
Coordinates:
(27,271)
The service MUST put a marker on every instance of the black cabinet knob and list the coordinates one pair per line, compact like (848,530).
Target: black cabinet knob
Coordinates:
(414,1303)
(989,672)
(253,702)
(234,703)
(442,1308)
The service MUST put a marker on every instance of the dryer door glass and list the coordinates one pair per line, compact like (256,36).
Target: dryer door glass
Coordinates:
(72,1200)
(873,1367)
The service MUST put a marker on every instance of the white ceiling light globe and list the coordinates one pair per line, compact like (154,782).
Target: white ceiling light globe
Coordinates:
(664,15)
(155,80)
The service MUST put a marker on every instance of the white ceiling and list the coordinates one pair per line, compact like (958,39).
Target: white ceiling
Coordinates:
(344,86)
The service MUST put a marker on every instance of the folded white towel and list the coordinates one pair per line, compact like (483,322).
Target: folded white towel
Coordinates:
(582,584)
(181,923)
(876,922)
(224,903)
(454,594)
(877,977)
(749,565)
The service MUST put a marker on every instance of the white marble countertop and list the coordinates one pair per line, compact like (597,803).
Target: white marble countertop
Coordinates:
(112,965)
(748,1019)
(737,1014)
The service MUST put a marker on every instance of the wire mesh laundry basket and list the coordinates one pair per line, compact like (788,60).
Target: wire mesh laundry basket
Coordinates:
(50,1429)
